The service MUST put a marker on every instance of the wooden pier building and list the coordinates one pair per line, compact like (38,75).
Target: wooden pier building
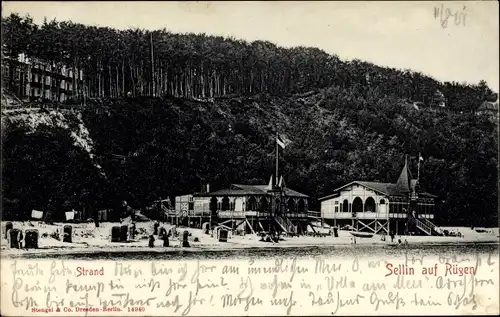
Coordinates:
(376,207)
(249,208)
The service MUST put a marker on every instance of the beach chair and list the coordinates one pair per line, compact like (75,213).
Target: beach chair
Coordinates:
(31,238)
(185,242)
(115,234)
(223,235)
(8,226)
(14,238)
(123,233)
(67,235)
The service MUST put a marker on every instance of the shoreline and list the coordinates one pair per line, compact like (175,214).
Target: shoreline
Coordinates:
(227,247)
(90,240)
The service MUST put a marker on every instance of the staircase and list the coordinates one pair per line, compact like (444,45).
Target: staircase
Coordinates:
(432,226)
(180,215)
(424,227)
(285,223)
(427,227)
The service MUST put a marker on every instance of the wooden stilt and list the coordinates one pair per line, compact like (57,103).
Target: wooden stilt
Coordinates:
(242,221)
(261,226)
(251,228)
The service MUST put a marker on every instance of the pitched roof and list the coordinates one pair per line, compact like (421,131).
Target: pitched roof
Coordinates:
(404,181)
(243,190)
(402,187)
(389,189)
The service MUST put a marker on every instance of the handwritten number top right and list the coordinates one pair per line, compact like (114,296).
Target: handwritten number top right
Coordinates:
(443,14)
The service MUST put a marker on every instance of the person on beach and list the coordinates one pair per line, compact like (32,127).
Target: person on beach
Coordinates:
(20,240)
(128,211)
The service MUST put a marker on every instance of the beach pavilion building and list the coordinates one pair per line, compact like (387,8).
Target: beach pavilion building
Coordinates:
(378,207)
(251,208)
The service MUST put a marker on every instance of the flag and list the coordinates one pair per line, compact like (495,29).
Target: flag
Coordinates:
(282,182)
(283,141)
(270,185)
(70,215)
(36,214)
(420,158)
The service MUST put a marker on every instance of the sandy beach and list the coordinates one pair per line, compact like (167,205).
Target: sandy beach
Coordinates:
(87,238)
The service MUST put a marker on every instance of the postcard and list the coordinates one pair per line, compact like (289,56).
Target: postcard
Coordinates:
(249,158)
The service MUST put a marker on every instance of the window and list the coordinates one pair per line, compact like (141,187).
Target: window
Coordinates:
(382,201)
(336,202)
(336,208)
(345,206)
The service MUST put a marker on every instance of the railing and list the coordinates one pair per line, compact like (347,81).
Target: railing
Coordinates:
(288,223)
(359,215)
(314,214)
(231,214)
(285,223)
(281,223)
(430,224)
(180,215)
(424,227)
(427,222)
(296,215)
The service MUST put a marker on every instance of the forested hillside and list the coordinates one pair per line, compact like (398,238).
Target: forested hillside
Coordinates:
(156,63)
(346,120)
(170,146)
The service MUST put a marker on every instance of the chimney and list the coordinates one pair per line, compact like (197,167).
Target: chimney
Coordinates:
(208,188)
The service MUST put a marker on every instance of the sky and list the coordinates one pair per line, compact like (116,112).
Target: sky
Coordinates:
(405,35)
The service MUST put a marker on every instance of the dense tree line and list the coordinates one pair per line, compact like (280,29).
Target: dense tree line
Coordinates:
(138,62)
(170,146)
(347,121)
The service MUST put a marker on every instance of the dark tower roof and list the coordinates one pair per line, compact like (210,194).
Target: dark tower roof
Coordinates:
(404,181)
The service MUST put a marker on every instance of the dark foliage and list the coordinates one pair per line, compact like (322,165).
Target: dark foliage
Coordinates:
(159,63)
(347,121)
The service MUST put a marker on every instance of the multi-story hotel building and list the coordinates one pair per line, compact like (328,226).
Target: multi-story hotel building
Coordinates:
(35,79)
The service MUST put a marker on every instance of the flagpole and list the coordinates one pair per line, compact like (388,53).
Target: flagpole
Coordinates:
(277,154)
(152,66)
(418,168)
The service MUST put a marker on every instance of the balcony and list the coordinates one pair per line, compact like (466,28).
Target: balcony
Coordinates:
(231,214)
(259,214)
(297,215)
(358,215)
(371,215)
